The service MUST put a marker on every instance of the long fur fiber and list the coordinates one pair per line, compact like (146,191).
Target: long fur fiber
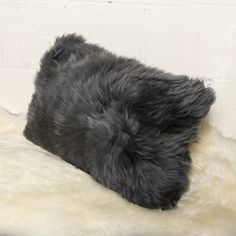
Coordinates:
(128,125)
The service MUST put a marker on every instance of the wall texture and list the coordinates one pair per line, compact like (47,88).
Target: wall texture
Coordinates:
(194,37)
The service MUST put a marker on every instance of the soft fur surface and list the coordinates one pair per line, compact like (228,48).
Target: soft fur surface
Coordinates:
(128,125)
(42,195)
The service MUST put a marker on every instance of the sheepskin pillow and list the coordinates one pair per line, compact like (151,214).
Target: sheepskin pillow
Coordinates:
(128,125)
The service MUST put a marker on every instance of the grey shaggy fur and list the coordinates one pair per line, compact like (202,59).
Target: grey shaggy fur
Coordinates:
(128,125)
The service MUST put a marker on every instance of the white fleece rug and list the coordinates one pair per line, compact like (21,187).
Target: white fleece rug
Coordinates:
(41,195)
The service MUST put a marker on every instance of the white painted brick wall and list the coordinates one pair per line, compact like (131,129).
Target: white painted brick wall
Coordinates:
(194,37)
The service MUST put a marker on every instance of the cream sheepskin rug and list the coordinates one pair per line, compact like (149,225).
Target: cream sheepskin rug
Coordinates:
(41,195)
